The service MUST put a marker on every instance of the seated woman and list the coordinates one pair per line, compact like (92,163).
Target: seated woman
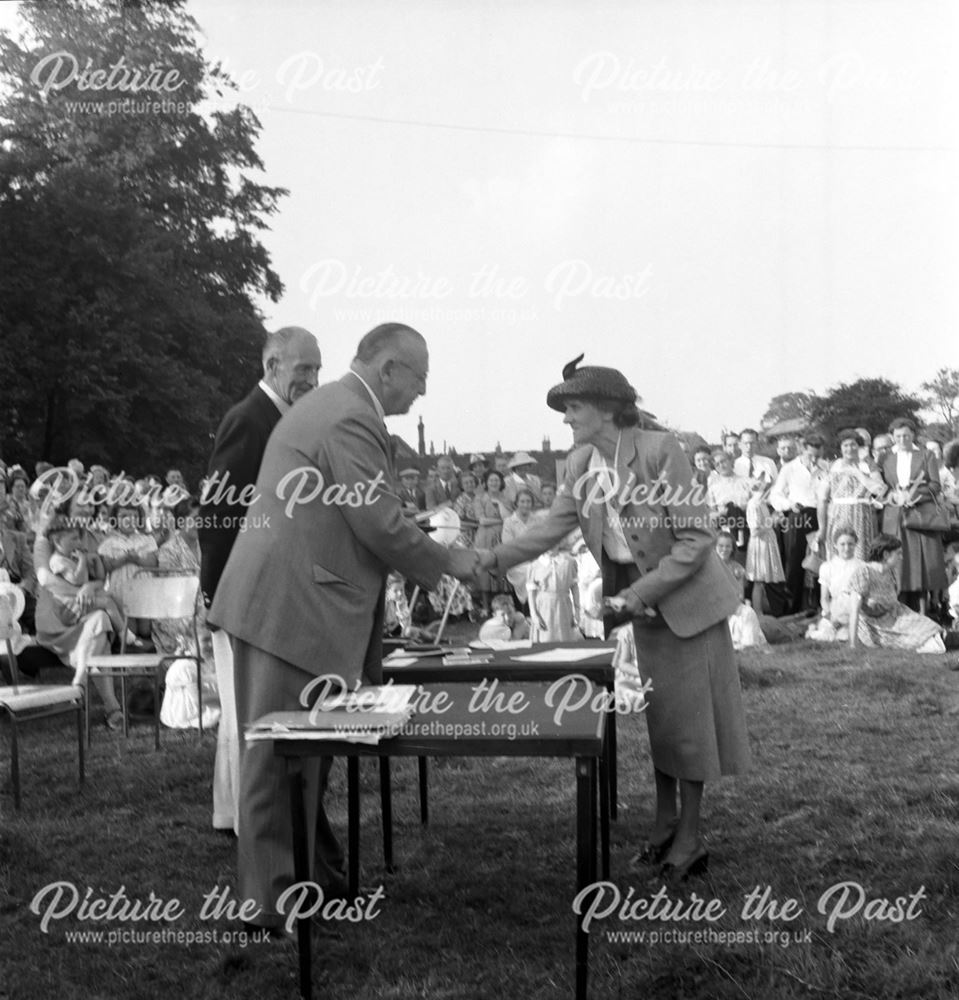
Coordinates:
(127,538)
(835,593)
(89,633)
(506,624)
(876,618)
(744,627)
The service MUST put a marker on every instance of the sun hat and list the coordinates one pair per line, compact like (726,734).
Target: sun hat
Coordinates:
(591,382)
(519,459)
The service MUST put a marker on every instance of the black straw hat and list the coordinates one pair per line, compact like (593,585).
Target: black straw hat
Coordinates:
(590,382)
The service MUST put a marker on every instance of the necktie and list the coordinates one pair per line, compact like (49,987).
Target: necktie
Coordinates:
(751,469)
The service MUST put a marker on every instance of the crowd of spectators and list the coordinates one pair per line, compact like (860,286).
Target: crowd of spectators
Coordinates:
(835,532)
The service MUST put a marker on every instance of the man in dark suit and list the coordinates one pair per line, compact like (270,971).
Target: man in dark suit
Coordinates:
(414,499)
(291,364)
(302,594)
(446,489)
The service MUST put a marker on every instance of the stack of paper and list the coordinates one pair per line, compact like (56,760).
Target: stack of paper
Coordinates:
(367,715)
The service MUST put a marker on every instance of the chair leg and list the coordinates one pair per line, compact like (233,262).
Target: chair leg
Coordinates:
(123,705)
(15,762)
(80,741)
(86,707)
(199,695)
(156,708)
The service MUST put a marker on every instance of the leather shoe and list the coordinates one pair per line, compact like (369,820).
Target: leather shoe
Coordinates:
(694,864)
(652,854)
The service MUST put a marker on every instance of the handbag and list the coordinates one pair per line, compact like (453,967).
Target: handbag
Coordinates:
(928,517)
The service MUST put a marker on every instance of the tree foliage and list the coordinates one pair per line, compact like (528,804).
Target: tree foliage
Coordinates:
(869,402)
(130,255)
(942,397)
(788,406)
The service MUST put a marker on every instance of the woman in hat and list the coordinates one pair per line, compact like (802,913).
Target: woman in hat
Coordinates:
(631,491)
(912,475)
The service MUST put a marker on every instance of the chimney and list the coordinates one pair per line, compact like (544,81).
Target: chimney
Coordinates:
(421,444)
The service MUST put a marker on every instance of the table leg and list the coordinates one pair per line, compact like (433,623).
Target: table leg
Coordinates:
(610,749)
(301,872)
(585,858)
(604,809)
(386,808)
(353,821)
(424,803)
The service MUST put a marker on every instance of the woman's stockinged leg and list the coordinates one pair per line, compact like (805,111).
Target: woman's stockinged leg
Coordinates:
(687,839)
(665,821)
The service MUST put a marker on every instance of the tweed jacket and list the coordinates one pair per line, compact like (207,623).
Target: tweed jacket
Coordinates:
(305,579)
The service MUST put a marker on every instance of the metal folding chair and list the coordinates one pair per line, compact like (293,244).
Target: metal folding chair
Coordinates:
(154,594)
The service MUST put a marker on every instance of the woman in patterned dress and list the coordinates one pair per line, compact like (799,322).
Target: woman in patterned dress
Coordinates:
(876,618)
(846,498)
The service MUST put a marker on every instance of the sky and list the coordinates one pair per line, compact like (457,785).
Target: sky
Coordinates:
(727,200)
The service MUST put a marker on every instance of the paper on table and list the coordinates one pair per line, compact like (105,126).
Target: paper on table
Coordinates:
(567,655)
(500,644)
(255,735)
(399,661)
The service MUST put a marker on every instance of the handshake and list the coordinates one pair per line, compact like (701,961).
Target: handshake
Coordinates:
(466,564)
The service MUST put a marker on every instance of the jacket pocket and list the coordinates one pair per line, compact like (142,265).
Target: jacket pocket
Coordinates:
(325,576)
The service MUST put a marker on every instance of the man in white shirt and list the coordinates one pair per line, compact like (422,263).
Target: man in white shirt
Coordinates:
(795,495)
(751,466)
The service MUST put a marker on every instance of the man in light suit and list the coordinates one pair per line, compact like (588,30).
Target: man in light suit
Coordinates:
(302,594)
(291,364)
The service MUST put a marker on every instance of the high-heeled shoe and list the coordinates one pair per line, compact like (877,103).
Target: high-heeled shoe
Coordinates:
(651,853)
(695,864)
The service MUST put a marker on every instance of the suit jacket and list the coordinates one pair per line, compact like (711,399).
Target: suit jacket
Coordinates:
(237,453)
(305,580)
(17,559)
(436,495)
(924,467)
(413,498)
(669,537)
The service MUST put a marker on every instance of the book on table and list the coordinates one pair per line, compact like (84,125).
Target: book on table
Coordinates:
(367,715)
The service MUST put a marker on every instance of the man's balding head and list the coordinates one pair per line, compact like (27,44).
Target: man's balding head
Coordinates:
(291,362)
(394,362)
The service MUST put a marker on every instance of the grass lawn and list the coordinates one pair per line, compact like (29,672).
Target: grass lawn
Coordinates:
(855,780)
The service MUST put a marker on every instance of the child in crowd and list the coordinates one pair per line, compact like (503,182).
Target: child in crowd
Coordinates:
(744,622)
(506,622)
(836,577)
(953,570)
(553,596)
(396,620)
(76,568)
(763,564)
(587,571)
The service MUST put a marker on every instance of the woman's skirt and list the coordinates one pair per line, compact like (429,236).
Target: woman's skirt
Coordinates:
(697,727)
